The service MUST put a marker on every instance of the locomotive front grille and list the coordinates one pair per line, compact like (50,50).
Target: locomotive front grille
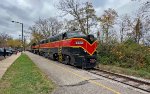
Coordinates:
(91,60)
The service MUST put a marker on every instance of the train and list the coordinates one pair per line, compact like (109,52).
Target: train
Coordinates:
(74,48)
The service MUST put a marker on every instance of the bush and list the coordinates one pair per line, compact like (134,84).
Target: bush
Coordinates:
(105,55)
(128,55)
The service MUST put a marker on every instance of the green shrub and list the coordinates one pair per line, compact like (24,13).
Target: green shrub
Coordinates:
(128,55)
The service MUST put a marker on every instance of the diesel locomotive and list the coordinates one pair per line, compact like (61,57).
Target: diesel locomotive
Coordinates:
(73,48)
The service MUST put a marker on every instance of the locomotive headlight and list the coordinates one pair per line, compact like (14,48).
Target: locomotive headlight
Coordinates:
(79,42)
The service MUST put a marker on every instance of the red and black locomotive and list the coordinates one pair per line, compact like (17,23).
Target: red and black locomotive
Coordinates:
(73,48)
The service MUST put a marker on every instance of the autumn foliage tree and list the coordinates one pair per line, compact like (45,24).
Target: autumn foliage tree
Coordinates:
(35,34)
(137,33)
(107,20)
(14,43)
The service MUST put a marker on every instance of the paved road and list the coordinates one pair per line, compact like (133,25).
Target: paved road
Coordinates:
(2,57)
(72,80)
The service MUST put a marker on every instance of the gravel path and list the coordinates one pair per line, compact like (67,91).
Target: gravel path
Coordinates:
(71,80)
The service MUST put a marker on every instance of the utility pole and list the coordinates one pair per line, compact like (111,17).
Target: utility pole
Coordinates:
(22,33)
(22,37)
(24,42)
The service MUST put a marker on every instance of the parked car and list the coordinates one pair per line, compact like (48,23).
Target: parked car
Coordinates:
(1,51)
(8,52)
(13,51)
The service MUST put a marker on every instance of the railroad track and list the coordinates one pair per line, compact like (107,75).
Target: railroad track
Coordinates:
(139,84)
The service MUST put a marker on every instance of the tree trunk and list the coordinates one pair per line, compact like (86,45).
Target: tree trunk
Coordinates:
(121,32)
(107,34)
(82,27)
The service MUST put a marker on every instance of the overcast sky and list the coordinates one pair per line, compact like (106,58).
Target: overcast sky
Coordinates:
(28,11)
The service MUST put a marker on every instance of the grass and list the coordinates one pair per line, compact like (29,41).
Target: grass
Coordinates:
(24,77)
(127,71)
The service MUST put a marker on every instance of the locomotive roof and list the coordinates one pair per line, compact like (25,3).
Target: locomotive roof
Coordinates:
(55,35)
(42,40)
(59,35)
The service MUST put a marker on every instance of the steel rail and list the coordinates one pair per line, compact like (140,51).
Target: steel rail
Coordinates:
(126,79)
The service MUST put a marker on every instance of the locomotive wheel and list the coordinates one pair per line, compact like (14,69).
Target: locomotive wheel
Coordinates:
(54,57)
(83,65)
(67,59)
(45,55)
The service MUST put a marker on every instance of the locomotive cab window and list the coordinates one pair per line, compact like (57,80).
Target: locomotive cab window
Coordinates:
(52,39)
(33,44)
(60,36)
(40,42)
(75,34)
(49,40)
(43,42)
(57,38)
(46,41)
(64,36)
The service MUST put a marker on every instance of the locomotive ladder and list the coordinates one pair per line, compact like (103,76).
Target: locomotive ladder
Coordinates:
(60,54)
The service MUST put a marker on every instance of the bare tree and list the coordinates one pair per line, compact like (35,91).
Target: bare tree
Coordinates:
(88,16)
(148,40)
(3,39)
(70,25)
(126,26)
(44,28)
(145,8)
(72,7)
(82,13)
(48,27)
(54,26)
(143,14)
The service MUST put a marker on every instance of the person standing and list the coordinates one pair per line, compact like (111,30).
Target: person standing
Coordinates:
(4,53)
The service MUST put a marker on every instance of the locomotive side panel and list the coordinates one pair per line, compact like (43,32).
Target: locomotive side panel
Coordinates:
(77,51)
